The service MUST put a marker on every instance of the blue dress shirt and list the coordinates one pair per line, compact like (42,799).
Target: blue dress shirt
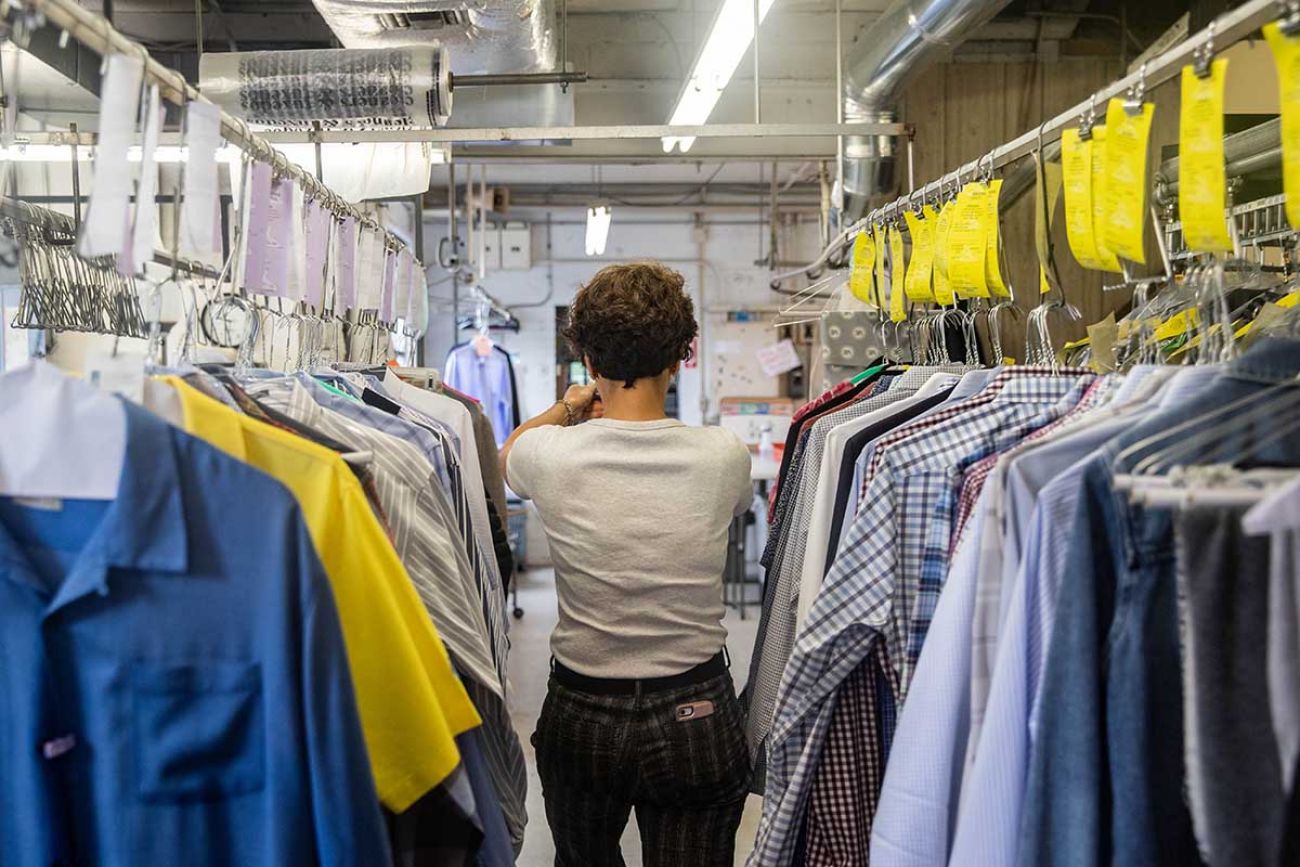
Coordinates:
(173,682)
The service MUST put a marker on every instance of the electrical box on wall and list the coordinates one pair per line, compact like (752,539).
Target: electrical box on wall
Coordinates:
(492,249)
(516,247)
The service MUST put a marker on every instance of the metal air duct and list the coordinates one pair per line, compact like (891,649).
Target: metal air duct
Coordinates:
(480,35)
(910,35)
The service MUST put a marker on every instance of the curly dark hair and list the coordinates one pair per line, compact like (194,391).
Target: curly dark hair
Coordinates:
(632,321)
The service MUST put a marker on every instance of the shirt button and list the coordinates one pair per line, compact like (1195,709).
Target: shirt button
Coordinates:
(56,747)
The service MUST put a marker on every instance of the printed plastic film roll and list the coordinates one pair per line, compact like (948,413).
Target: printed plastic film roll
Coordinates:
(339,88)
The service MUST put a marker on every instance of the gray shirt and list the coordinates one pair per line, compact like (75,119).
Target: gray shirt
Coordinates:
(637,515)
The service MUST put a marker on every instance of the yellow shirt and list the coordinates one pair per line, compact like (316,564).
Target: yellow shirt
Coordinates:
(412,704)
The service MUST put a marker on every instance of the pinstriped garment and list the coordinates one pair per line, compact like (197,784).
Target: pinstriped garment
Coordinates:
(429,541)
(421,523)
(432,440)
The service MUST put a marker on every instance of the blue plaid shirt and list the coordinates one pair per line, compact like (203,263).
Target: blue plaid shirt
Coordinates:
(874,590)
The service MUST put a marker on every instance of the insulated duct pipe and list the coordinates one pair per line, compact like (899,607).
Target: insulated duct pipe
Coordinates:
(480,35)
(908,36)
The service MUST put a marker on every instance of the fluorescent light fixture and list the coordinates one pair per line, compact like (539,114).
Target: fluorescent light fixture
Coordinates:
(598,219)
(730,38)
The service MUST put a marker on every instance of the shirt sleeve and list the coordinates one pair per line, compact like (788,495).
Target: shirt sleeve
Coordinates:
(527,460)
(345,805)
(740,479)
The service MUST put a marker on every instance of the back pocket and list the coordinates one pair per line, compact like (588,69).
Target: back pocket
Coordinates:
(198,730)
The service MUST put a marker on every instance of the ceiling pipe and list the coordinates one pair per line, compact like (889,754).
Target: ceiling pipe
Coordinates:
(908,37)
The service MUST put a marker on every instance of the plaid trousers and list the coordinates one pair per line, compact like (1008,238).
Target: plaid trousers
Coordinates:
(600,756)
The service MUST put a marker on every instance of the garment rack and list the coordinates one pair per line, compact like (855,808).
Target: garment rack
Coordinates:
(98,34)
(1225,30)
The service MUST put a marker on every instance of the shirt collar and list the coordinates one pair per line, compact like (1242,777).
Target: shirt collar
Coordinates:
(1269,360)
(143,527)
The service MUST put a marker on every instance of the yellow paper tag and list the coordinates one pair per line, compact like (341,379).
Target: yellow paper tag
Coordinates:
(1103,336)
(897,277)
(1202,180)
(1127,137)
(1107,257)
(878,267)
(1286,56)
(1177,325)
(1045,198)
(942,285)
(921,265)
(860,268)
(993,234)
(967,245)
(1076,169)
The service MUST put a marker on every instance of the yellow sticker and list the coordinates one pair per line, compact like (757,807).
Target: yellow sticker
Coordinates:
(1127,137)
(1202,178)
(1109,261)
(1286,56)
(942,285)
(967,244)
(897,277)
(1076,168)
(993,233)
(878,267)
(921,265)
(860,268)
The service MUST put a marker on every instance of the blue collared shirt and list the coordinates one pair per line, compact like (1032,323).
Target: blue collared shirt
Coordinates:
(175,687)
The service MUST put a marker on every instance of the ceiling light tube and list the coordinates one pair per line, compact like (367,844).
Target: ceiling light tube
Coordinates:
(730,38)
(599,218)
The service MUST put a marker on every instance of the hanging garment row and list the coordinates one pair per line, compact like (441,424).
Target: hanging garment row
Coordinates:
(239,619)
(978,649)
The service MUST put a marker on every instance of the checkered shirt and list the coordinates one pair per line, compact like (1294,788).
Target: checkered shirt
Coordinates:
(973,483)
(800,414)
(786,569)
(871,592)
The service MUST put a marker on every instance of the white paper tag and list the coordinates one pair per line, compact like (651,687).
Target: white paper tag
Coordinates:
(317,242)
(345,257)
(779,358)
(200,227)
(296,271)
(145,231)
(277,238)
(389,287)
(121,374)
(108,216)
(402,284)
(368,275)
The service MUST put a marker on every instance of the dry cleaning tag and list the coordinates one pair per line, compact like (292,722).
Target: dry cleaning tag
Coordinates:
(1076,169)
(967,246)
(317,243)
(942,284)
(1126,179)
(897,277)
(921,265)
(145,228)
(1202,178)
(345,257)
(200,238)
(105,231)
(993,233)
(257,202)
(1100,183)
(1286,56)
(864,258)
(1045,199)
